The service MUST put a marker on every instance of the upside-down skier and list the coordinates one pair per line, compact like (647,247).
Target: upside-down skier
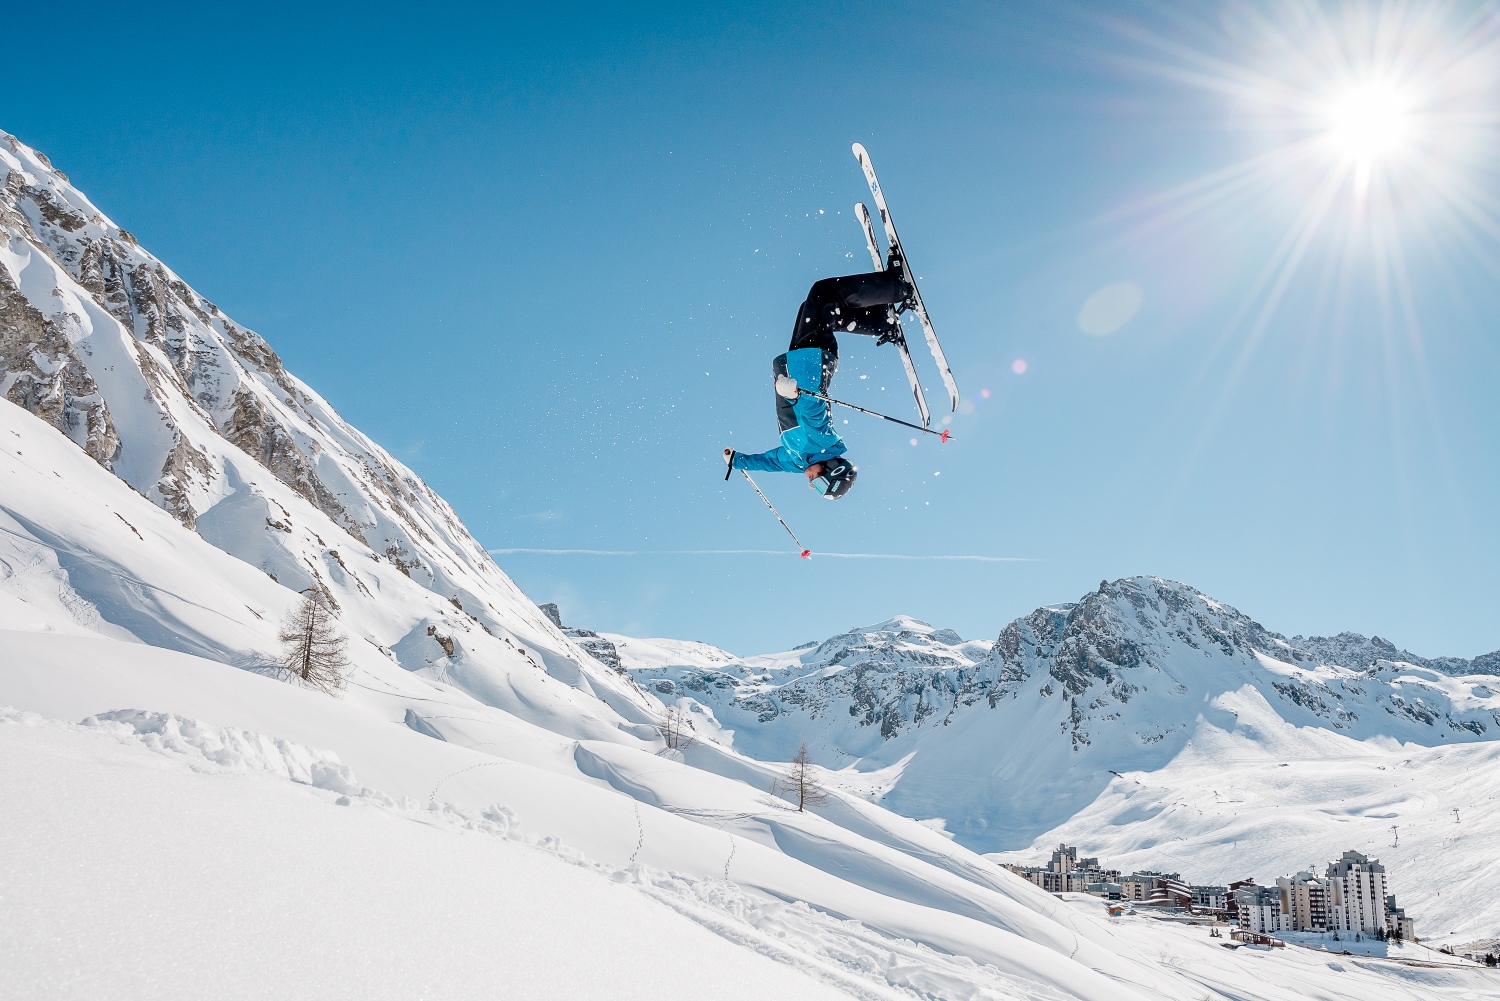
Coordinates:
(859,304)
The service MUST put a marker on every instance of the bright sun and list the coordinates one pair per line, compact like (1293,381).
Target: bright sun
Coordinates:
(1369,122)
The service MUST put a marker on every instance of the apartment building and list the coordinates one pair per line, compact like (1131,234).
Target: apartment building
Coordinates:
(1307,902)
(1259,909)
(1397,924)
(1210,899)
(1359,894)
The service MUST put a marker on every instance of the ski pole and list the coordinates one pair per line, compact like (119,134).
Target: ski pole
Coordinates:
(943,437)
(805,552)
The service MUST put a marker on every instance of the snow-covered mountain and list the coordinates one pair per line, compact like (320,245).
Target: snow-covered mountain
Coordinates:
(1007,739)
(1356,651)
(1101,721)
(157,385)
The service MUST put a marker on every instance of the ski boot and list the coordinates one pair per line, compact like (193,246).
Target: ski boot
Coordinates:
(897,267)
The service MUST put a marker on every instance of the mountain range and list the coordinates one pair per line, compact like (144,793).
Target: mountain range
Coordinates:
(1054,731)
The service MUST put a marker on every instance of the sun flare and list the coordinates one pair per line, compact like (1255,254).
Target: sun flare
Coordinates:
(1364,160)
(1370,122)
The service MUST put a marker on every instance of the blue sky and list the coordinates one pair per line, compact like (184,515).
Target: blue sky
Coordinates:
(546,255)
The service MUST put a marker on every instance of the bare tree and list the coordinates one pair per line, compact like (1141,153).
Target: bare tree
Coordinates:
(312,647)
(676,728)
(800,782)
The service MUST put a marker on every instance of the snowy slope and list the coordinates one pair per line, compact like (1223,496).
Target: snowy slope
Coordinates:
(154,383)
(82,553)
(476,913)
(891,910)
(852,895)
(1148,724)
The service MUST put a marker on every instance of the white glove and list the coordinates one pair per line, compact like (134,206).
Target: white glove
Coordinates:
(786,387)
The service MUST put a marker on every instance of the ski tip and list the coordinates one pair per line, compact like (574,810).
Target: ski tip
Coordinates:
(859,149)
(806,553)
(944,436)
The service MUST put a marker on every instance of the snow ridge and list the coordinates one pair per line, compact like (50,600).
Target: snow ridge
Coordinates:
(159,386)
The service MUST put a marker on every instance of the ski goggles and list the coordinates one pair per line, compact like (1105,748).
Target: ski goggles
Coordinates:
(837,478)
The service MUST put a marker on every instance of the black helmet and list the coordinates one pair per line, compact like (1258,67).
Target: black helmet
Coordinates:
(838,476)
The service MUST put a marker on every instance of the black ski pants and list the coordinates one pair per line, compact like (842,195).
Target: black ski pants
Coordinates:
(858,304)
(853,304)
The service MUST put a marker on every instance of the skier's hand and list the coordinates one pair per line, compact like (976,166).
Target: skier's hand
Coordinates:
(786,387)
(729,456)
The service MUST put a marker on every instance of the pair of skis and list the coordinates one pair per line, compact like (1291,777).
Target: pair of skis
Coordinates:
(898,337)
(917,306)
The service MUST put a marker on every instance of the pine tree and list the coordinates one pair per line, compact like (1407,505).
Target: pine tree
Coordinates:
(312,647)
(800,782)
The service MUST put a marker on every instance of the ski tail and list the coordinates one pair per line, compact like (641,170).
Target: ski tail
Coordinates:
(894,240)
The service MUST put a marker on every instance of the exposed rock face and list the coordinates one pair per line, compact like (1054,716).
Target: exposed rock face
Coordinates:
(1066,695)
(1355,651)
(597,647)
(104,342)
(40,372)
(191,357)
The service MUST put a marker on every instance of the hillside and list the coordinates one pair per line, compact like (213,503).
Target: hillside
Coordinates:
(155,384)
(1147,723)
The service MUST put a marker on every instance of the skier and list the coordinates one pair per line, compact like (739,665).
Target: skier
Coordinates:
(859,304)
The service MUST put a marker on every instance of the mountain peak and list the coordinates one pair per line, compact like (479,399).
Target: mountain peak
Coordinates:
(1120,680)
(157,385)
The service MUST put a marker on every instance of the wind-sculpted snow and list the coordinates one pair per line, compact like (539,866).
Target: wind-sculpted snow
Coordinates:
(154,383)
(1007,740)
(228,748)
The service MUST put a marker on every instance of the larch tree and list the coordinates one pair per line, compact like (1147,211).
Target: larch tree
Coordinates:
(312,646)
(800,783)
(677,729)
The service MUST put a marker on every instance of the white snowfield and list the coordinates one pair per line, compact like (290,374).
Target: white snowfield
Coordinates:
(168,875)
(486,810)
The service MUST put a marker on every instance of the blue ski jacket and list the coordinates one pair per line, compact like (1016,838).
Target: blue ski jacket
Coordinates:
(811,438)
